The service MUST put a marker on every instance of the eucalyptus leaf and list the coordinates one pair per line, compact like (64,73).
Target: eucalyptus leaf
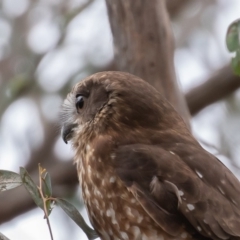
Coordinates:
(31,187)
(74,214)
(236,63)
(9,180)
(49,205)
(47,185)
(233,36)
(2,237)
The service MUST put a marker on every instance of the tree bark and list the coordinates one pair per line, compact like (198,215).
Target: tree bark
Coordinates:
(143,45)
(175,6)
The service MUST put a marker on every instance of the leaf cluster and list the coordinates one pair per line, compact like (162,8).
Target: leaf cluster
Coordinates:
(42,196)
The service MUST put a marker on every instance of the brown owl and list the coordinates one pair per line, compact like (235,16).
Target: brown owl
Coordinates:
(142,173)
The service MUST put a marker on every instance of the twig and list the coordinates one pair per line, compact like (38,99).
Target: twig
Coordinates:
(41,171)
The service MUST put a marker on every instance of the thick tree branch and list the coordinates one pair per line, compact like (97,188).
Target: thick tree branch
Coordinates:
(220,85)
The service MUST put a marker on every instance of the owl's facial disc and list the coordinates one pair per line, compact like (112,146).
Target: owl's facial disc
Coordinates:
(67,132)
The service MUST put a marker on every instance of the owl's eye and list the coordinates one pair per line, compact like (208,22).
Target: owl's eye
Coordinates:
(79,102)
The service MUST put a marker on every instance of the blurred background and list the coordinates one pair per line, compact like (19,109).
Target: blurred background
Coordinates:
(46,46)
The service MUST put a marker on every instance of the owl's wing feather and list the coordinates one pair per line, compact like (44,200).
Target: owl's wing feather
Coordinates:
(174,195)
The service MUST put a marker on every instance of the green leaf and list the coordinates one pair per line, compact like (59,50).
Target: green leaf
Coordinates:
(47,185)
(233,36)
(73,213)
(49,205)
(236,63)
(2,237)
(9,180)
(31,187)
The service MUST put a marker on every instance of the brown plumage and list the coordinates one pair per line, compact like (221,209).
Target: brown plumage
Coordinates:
(143,175)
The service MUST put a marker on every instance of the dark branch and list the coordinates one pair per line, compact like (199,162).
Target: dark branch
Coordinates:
(220,85)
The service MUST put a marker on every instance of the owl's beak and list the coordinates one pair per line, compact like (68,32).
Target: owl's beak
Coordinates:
(67,132)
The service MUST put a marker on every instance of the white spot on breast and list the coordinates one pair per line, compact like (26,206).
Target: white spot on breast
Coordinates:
(87,192)
(89,170)
(190,207)
(172,152)
(95,201)
(133,200)
(131,212)
(128,210)
(181,193)
(112,179)
(136,232)
(124,235)
(183,235)
(199,229)
(97,193)
(199,174)
(114,221)
(113,156)
(136,214)
(111,213)
(88,147)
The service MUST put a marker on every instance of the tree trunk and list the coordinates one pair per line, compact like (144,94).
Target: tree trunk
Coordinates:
(143,46)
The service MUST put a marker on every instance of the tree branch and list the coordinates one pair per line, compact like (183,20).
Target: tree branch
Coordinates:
(220,85)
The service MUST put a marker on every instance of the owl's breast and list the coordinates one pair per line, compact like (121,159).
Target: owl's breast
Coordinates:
(112,208)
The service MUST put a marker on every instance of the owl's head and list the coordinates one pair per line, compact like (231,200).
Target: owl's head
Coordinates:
(114,100)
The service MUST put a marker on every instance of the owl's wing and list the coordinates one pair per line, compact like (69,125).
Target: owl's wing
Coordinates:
(174,194)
